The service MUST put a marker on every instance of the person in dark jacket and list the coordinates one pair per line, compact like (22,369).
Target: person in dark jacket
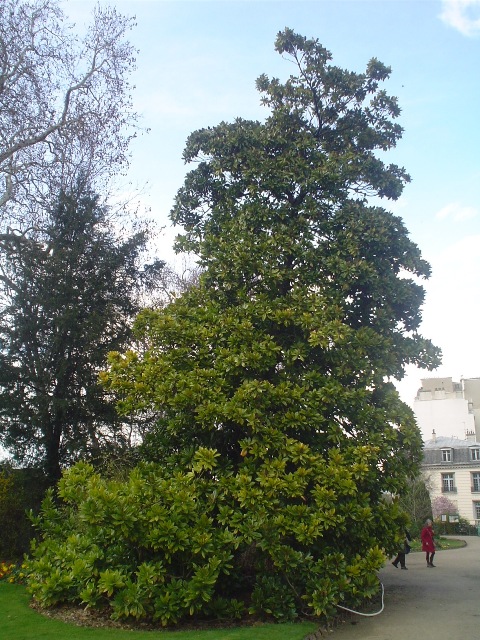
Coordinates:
(403,552)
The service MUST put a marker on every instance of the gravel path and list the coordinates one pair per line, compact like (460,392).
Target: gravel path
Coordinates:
(442,603)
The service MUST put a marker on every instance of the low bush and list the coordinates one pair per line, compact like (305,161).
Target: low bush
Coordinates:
(6,569)
(145,548)
(170,547)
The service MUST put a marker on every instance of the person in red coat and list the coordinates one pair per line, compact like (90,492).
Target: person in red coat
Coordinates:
(428,545)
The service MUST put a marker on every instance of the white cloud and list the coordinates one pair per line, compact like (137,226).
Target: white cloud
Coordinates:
(452,306)
(454,285)
(456,212)
(462,15)
(450,315)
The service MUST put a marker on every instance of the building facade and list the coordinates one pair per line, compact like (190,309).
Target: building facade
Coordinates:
(451,409)
(451,468)
(448,415)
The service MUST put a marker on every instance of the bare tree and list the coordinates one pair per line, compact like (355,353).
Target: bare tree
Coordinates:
(175,281)
(65,104)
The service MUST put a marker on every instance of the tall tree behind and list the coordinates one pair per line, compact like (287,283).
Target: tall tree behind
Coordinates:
(67,300)
(416,503)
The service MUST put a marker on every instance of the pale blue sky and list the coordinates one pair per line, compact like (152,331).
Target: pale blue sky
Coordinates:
(197,65)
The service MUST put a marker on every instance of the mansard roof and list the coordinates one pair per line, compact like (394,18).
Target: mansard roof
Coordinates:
(442,442)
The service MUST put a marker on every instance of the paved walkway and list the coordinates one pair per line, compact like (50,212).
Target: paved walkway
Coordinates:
(426,604)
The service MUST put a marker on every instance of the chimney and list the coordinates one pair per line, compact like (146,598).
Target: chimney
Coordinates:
(434,436)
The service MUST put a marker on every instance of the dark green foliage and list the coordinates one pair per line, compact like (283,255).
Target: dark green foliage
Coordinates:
(68,298)
(21,491)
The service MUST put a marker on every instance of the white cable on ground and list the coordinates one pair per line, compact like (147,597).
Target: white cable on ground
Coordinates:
(366,614)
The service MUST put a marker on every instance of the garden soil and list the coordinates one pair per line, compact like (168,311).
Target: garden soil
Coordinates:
(441,603)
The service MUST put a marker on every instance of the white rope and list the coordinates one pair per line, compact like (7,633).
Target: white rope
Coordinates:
(366,614)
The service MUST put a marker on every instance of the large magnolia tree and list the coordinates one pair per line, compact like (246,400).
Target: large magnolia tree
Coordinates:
(271,380)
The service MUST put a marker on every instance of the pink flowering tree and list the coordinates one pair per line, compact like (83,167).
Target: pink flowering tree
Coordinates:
(443,505)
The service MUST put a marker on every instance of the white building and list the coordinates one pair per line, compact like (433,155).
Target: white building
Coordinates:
(451,468)
(451,409)
(448,415)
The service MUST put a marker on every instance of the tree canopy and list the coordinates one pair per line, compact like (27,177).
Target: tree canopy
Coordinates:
(271,381)
(321,288)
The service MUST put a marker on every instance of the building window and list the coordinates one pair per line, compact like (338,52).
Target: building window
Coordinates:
(448,482)
(476,510)
(475,454)
(476,482)
(446,455)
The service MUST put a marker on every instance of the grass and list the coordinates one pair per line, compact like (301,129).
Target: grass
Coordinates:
(20,622)
(440,543)
(449,543)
